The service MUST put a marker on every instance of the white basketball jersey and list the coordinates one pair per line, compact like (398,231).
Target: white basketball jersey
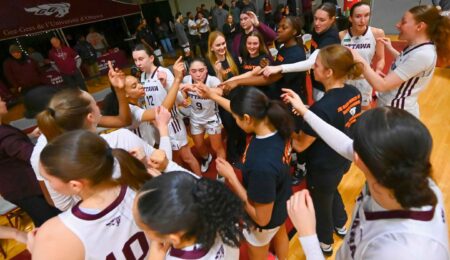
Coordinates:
(142,129)
(111,233)
(219,251)
(415,65)
(121,138)
(375,233)
(365,44)
(203,110)
(155,93)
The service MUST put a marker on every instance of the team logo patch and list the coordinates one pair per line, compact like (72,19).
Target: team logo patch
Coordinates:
(114,222)
(59,9)
(220,254)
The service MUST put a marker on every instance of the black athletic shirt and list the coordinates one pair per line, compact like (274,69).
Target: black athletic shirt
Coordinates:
(339,107)
(225,66)
(266,175)
(330,36)
(294,80)
(248,64)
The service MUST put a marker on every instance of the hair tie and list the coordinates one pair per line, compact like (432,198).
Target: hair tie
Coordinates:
(51,111)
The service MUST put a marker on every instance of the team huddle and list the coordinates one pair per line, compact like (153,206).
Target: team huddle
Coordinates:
(123,198)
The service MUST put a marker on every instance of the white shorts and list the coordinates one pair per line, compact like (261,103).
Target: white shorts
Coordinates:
(260,237)
(212,127)
(177,134)
(366,90)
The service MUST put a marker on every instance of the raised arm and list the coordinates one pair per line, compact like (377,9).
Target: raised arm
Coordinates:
(268,33)
(258,80)
(388,45)
(379,50)
(169,100)
(293,67)
(117,79)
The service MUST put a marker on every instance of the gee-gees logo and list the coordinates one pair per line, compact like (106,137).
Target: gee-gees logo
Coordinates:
(59,9)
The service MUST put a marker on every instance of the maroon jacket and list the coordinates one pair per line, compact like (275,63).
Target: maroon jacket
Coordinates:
(268,34)
(17,178)
(23,73)
(64,59)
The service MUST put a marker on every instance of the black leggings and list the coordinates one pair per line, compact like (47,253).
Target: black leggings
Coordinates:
(37,208)
(235,136)
(330,210)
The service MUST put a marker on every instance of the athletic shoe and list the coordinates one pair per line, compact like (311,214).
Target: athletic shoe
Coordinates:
(205,163)
(326,249)
(341,232)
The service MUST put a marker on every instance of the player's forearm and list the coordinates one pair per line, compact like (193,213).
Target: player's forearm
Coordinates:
(124,109)
(223,102)
(301,65)
(241,192)
(172,94)
(259,80)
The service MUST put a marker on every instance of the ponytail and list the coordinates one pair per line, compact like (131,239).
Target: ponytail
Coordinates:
(66,111)
(340,59)
(280,117)
(81,154)
(253,102)
(132,171)
(47,124)
(356,70)
(201,208)
(441,38)
(416,191)
(396,147)
(438,28)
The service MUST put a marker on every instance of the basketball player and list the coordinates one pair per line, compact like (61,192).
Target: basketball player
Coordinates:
(73,109)
(400,213)
(204,116)
(190,218)
(362,38)
(156,81)
(101,225)
(143,117)
(427,34)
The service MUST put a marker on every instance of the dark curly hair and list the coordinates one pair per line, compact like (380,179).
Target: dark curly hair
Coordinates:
(395,146)
(203,209)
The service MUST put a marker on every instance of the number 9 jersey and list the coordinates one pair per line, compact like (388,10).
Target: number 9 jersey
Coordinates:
(204,111)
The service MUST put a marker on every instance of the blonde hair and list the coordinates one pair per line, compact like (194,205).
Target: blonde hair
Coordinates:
(340,59)
(212,57)
(438,28)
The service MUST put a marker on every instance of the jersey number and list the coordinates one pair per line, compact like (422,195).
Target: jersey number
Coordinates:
(199,105)
(128,251)
(150,100)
